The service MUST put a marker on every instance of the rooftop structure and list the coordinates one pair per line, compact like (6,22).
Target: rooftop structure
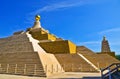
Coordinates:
(105,48)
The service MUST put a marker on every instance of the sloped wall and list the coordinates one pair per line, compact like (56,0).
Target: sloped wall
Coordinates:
(59,47)
(40,34)
(18,57)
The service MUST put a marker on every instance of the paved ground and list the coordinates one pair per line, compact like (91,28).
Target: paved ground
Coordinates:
(56,76)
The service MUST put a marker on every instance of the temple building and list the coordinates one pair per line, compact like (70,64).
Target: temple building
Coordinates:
(105,48)
(105,45)
(37,52)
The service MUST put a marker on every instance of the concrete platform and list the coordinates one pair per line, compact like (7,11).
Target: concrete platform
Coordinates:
(66,75)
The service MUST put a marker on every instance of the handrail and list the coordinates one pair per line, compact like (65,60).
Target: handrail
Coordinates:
(110,70)
(110,66)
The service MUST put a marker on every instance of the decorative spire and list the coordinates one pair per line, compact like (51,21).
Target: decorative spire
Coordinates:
(105,45)
(37,23)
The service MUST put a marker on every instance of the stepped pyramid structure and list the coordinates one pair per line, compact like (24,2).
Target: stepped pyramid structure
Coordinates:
(37,52)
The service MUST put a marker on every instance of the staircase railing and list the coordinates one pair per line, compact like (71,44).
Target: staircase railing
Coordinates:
(108,71)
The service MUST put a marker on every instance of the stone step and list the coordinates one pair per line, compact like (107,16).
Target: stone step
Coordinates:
(18,57)
(15,38)
(74,63)
(96,59)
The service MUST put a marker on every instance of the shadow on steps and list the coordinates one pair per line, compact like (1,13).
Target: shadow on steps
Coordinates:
(81,78)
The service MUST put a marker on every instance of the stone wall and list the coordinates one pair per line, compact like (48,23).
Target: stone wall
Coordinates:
(14,38)
(74,63)
(51,37)
(15,43)
(109,53)
(23,63)
(72,47)
(99,60)
(59,47)
(16,47)
(40,34)
(18,57)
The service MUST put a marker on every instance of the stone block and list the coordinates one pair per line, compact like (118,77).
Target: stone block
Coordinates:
(59,47)
(41,34)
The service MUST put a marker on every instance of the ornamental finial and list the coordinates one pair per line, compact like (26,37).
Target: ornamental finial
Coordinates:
(104,38)
(37,17)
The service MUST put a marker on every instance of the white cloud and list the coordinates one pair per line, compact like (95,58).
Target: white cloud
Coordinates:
(64,4)
(113,35)
(52,6)
(59,5)
(110,31)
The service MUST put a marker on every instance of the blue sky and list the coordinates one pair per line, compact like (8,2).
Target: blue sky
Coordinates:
(84,22)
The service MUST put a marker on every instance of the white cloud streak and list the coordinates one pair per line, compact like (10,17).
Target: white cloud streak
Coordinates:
(110,31)
(60,5)
(56,6)
(63,4)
